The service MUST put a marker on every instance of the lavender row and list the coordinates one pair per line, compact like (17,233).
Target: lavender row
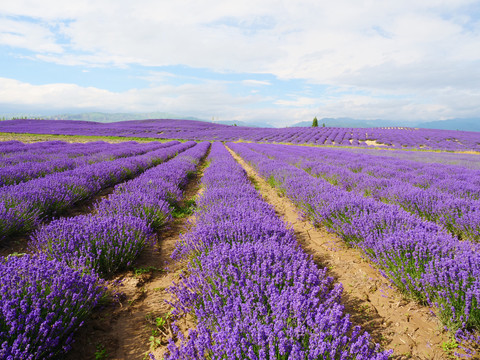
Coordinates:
(48,296)
(71,159)
(457,207)
(112,237)
(13,146)
(49,150)
(419,257)
(252,291)
(25,205)
(468,161)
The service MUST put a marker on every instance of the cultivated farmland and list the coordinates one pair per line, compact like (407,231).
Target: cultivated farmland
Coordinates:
(220,242)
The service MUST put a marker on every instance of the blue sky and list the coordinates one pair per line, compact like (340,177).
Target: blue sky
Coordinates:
(271,61)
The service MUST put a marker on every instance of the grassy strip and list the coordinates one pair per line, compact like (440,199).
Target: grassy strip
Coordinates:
(30,138)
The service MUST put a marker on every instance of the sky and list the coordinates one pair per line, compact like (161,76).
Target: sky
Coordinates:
(279,62)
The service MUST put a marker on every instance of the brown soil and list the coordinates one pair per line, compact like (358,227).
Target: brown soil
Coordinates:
(409,329)
(374,143)
(125,328)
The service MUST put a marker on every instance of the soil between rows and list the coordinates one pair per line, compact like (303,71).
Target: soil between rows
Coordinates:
(411,330)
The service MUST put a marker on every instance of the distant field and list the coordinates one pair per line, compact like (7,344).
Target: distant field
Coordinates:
(392,138)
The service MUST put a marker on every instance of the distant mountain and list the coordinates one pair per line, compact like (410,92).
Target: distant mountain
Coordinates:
(243,123)
(465,124)
(472,124)
(354,123)
(113,117)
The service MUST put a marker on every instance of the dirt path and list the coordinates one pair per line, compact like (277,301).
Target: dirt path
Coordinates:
(404,326)
(130,325)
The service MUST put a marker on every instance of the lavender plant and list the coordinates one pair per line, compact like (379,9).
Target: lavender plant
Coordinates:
(42,304)
(104,244)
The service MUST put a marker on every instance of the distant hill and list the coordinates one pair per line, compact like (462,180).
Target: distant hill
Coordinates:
(472,124)
(243,123)
(465,124)
(114,117)
(453,124)
(354,123)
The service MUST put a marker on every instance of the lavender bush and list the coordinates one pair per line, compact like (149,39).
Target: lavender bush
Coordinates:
(103,244)
(154,211)
(42,303)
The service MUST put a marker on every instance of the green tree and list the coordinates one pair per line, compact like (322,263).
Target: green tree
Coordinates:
(323,125)
(315,122)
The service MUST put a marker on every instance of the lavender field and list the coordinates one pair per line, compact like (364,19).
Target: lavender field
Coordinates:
(223,242)
(393,138)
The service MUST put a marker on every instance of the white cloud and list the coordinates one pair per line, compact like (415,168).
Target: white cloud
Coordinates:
(212,99)
(300,101)
(27,35)
(410,58)
(251,82)
(198,99)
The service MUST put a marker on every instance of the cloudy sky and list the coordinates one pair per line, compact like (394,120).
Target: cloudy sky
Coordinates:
(275,61)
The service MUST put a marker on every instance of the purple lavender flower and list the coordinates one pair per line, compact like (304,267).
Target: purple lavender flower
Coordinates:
(103,244)
(42,303)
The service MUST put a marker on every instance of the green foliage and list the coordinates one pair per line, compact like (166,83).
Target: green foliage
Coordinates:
(100,353)
(315,122)
(145,270)
(254,182)
(160,329)
(187,209)
(450,347)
